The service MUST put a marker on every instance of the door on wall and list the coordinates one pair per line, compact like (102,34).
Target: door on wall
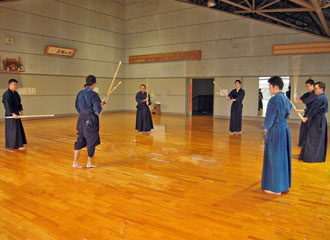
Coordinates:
(202,97)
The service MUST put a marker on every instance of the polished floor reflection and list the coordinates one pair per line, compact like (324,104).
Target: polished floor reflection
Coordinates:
(187,180)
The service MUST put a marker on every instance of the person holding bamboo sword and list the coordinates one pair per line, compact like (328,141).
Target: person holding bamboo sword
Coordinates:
(236,97)
(306,99)
(14,131)
(143,116)
(314,147)
(89,106)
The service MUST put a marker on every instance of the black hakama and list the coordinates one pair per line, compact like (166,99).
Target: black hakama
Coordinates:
(236,110)
(15,135)
(260,106)
(314,147)
(88,133)
(14,131)
(302,133)
(236,117)
(143,118)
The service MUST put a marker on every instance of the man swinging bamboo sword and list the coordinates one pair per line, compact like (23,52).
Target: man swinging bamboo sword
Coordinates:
(90,107)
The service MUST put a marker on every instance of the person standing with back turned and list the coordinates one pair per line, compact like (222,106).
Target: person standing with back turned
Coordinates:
(276,173)
(89,106)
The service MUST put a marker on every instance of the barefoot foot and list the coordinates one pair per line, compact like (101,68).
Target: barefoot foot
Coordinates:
(274,193)
(89,165)
(76,165)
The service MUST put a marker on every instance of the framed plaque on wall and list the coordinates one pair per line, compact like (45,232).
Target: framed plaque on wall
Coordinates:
(60,51)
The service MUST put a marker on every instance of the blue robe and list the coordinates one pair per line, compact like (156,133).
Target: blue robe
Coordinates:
(276,173)
(143,114)
(307,99)
(87,104)
(236,110)
(314,148)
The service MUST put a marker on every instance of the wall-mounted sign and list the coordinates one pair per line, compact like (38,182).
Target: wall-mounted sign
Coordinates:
(60,51)
(301,48)
(166,57)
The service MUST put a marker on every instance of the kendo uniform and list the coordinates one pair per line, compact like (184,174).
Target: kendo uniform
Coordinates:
(88,103)
(314,148)
(143,114)
(276,173)
(236,110)
(14,131)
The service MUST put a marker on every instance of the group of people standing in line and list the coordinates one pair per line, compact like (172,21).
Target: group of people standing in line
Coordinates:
(276,175)
(313,137)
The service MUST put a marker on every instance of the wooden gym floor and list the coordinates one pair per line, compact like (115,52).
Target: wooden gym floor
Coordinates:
(188,180)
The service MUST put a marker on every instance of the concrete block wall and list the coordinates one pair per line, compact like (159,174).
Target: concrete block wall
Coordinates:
(95,28)
(107,31)
(232,48)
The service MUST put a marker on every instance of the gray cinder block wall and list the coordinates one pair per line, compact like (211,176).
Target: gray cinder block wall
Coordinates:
(108,31)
